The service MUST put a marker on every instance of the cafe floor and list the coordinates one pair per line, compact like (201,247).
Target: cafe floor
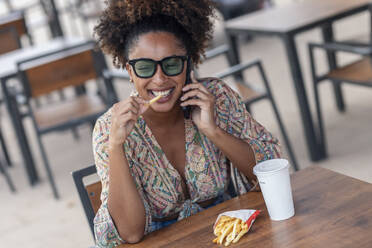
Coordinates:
(33,218)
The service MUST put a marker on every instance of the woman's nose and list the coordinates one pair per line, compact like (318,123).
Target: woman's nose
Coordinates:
(159,75)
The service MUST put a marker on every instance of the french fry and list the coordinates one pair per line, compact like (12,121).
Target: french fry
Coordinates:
(234,231)
(243,231)
(231,229)
(155,99)
(215,240)
(227,230)
(218,229)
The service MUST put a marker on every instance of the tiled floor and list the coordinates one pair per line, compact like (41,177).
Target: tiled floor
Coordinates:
(32,218)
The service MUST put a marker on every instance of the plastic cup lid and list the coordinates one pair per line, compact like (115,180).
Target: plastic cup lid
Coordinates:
(270,166)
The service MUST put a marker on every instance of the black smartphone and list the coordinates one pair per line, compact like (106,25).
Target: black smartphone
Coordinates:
(187,109)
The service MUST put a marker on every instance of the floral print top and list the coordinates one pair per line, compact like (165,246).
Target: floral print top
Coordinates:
(207,172)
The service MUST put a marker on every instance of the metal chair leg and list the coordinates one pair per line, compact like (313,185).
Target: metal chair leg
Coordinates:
(281,126)
(47,168)
(4,148)
(3,170)
(322,137)
(284,133)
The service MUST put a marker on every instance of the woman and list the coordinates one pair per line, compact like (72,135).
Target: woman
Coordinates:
(156,165)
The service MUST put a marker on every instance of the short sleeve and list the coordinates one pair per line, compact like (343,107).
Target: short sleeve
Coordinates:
(106,234)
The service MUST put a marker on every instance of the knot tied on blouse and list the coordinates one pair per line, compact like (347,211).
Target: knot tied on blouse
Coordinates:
(189,208)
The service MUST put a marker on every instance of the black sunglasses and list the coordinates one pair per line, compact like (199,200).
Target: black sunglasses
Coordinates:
(146,68)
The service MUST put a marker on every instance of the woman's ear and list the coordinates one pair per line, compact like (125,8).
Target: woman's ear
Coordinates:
(129,70)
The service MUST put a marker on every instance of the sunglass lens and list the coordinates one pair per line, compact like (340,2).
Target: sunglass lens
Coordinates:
(145,68)
(172,66)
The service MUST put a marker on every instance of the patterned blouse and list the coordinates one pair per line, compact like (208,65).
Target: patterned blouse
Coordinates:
(207,173)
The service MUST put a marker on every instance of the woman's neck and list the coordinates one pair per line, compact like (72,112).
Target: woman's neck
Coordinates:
(163,120)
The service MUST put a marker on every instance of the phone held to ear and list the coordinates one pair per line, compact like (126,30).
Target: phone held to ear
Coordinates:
(187,109)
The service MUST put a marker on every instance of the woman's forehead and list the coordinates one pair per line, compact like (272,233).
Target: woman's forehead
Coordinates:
(156,45)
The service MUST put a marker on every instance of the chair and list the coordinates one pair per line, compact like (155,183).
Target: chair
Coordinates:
(4,149)
(52,17)
(48,15)
(89,194)
(64,70)
(16,20)
(251,95)
(356,73)
(4,171)
(3,168)
(9,40)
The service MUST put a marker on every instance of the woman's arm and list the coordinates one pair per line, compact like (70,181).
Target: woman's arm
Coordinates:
(124,202)
(243,140)
(236,150)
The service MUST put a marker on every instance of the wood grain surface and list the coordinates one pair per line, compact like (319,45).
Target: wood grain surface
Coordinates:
(359,71)
(332,210)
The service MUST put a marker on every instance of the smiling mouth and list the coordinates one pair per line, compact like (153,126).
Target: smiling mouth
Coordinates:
(163,93)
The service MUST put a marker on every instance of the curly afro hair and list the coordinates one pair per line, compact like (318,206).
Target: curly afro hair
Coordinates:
(123,21)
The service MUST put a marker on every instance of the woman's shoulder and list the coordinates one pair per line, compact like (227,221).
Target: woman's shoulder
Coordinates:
(105,117)
(103,124)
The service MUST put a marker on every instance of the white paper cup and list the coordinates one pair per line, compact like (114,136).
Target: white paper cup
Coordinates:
(273,176)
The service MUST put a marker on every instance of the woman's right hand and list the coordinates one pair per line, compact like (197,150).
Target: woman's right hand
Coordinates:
(124,115)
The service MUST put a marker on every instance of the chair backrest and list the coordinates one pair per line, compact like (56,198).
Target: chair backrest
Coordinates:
(16,20)
(9,40)
(217,51)
(72,66)
(50,10)
(246,91)
(89,194)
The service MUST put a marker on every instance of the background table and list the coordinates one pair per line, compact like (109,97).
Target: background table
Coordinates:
(332,210)
(286,22)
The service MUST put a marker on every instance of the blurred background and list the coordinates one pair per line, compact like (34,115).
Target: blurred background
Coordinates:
(32,217)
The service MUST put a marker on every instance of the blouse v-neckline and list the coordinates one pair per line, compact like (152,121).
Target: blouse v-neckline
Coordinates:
(165,162)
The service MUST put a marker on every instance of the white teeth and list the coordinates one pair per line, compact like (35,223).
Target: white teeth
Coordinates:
(161,93)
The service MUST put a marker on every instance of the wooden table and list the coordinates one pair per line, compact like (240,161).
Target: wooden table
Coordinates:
(8,70)
(286,22)
(332,210)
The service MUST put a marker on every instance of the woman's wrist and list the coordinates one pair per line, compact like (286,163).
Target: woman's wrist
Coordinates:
(115,147)
(212,133)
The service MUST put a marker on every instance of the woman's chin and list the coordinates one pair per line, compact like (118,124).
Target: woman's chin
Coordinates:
(161,109)
(164,107)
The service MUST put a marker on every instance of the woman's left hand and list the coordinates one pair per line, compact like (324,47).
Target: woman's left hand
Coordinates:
(203,114)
